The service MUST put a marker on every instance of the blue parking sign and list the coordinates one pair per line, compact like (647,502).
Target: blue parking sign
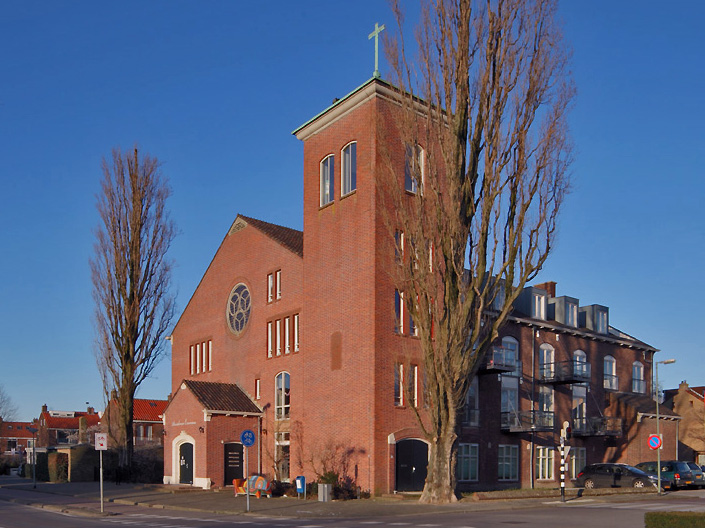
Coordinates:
(247,438)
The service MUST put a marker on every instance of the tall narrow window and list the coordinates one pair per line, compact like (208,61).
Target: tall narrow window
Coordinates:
(270,287)
(399,246)
(349,169)
(571,314)
(327,171)
(296,332)
(279,337)
(278,280)
(546,362)
(538,306)
(578,460)
(270,339)
(472,405)
(638,383)
(287,346)
(257,389)
(282,456)
(413,385)
(398,384)
(198,358)
(192,362)
(507,462)
(602,321)
(544,463)
(580,364)
(611,381)
(282,397)
(579,409)
(414,169)
(210,356)
(399,311)
(546,399)
(205,356)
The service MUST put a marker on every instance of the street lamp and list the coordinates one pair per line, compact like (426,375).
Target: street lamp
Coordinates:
(34,430)
(658,451)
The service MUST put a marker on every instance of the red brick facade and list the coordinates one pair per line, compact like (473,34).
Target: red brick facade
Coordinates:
(343,416)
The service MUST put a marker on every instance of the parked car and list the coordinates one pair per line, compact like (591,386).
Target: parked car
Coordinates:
(607,475)
(698,475)
(676,472)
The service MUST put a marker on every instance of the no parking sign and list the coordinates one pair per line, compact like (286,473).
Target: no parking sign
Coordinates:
(655,441)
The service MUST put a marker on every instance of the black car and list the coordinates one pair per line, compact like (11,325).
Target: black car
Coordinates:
(608,475)
(676,472)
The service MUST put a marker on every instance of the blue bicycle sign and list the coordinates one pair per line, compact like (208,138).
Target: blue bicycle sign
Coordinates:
(247,438)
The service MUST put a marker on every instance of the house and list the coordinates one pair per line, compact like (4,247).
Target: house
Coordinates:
(297,336)
(147,421)
(62,428)
(15,437)
(689,403)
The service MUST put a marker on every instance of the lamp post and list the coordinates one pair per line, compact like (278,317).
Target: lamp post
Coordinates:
(658,451)
(34,430)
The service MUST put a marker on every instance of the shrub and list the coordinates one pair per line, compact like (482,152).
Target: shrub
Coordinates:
(674,520)
(148,465)
(58,465)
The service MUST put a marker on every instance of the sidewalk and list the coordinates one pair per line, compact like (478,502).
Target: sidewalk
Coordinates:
(84,498)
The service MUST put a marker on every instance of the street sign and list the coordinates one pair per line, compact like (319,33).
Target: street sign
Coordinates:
(247,438)
(654,441)
(101,441)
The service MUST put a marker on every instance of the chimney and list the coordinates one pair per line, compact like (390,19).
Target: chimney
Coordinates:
(45,408)
(91,410)
(549,286)
(82,430)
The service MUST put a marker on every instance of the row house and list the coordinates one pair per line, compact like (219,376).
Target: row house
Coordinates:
(301,337)
(62,428)
(147,421)
(16,437)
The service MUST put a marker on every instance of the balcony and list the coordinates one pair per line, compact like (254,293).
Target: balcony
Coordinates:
(500,360)
(639,386)
(611,382)
(526,421)
(597,426)
(563,372)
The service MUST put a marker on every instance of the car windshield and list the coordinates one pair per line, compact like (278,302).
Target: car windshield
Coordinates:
(694,466)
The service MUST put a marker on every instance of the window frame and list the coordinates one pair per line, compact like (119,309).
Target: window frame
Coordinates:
(638,383)
(471,453)
(411,184)
(578,460)
(472,403)
(610,380)
(507,458)
(545,463)
(327,171)
(282,396)
(399,400)
(345,166)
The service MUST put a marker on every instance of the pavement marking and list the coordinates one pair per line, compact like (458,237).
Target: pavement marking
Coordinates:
(371,522)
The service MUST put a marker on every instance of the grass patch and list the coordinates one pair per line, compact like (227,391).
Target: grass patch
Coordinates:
(674,520)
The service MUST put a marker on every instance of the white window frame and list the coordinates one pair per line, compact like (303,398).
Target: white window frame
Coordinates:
(547,361)
(193,360)
(287,344)
(545,462)
(210,356)
(571,314)
(638,381)
(270,340)
(578,460)
(507,458)
(258,387)
(270,287)
(282,410)
(283,440)
(399,311)
(414,385)
(296,332)
(602,323)
(346,182)
(278,326)
(419,160)
(399,385)
(278,283)
(538,306)
(327,180)
(198,358)
(546,398)
(610,379)
(468,462)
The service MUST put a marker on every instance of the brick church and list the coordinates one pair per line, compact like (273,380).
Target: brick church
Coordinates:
(294,335)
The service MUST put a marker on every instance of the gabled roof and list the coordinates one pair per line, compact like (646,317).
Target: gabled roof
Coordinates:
(15,430)
(291,239)
(68,422)
(222,397)
(148,410)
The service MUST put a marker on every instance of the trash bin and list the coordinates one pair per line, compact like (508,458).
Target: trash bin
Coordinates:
(325,491)
(301,485)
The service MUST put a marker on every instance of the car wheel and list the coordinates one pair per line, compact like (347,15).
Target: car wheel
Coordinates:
(638,483)
(589,484)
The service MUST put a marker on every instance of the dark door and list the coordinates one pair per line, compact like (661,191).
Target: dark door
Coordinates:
(186,464)
(411,464)
(233,463)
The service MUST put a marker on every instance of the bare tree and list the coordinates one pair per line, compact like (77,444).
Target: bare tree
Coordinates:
(8,409)
(482,114)
(131,278)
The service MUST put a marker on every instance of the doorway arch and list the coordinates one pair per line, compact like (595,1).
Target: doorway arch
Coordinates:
(411,464)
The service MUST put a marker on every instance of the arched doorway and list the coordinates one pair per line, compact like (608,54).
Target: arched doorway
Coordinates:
(186,463)
(411,465)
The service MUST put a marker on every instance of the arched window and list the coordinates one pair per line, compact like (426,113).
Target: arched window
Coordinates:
(638,382)
(546,361)
(611,381)
(348,169)
(327,180)
(282,396)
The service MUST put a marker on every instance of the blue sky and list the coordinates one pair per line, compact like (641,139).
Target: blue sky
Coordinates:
(214,89)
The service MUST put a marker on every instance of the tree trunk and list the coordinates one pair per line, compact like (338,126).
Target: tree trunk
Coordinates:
(440,476)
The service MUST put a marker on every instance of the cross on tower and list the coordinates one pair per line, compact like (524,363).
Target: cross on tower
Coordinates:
(375,34)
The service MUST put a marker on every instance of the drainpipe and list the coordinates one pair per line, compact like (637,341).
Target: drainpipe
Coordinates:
(259,445)
(533,386)
(678,426)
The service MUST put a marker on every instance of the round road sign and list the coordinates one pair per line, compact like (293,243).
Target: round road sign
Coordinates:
(247,438)
(654,441)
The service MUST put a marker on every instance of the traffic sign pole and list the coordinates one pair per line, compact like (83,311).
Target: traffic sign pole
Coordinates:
(247,437)
(101,444)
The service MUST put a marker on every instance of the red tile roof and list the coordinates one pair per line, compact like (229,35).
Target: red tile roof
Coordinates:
(291,239)
(15,430)
(62,422)
(222,397)
(148,410)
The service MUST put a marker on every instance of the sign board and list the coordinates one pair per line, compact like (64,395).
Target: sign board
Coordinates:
(247,438)
(654,441)
(101,441)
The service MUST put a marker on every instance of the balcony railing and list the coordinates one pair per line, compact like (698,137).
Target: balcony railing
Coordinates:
(597,426)
(523,421)
(561,372)
(611,382)
(639,386)
(500,360)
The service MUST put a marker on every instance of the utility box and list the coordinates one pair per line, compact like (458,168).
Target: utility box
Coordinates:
(325,492)
(301,485)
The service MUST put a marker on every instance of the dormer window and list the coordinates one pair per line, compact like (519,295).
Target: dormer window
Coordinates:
(327,183)
(538,306)
(601,326)
(571,314)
